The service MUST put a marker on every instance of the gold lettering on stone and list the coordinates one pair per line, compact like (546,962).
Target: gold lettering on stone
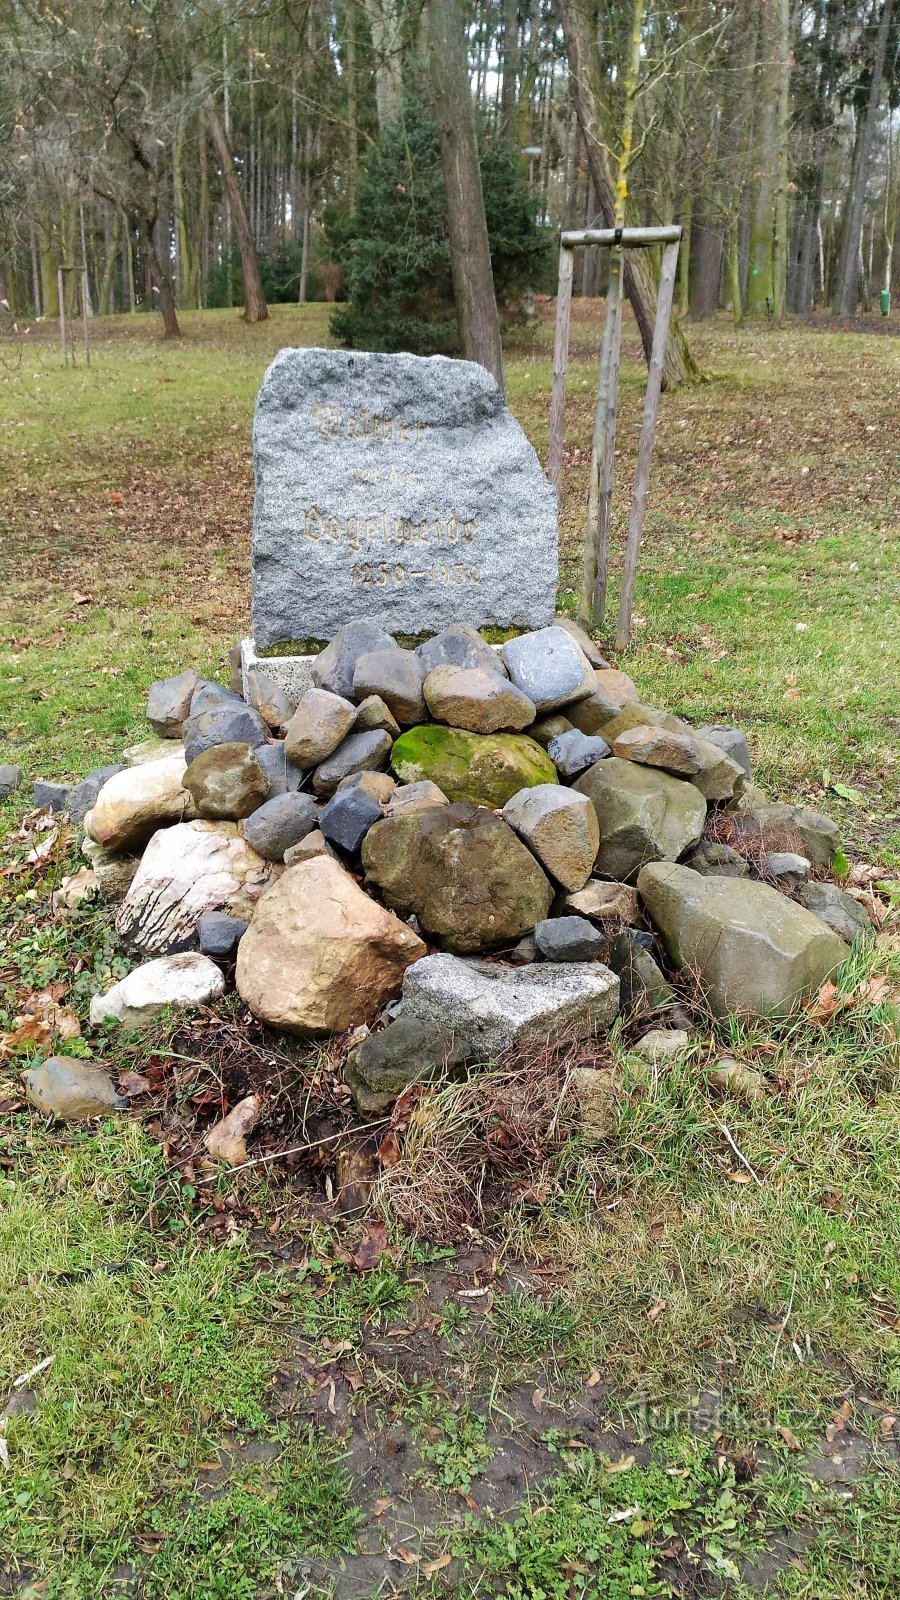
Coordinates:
(379,428)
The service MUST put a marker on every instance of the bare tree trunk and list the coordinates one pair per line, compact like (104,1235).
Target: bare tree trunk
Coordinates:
(255,308)
(162,279)
(782,135)
(679,365)
(104,298)
(846,289)
(509,61)
(352,108)
(387,40)
(470,256)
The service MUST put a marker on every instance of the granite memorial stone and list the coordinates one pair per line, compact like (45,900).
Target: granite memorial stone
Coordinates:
(395,487)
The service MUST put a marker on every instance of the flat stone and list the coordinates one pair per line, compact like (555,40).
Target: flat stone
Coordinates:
(10,778)
(315,844)
(751,950)
(320,723)
(71,1090)
(334,667)
(561,829)
(186,871)
(573,752)
(644,987)
(284,777)
(220,934)
(659,747)
(169,703)
(49,796)
(348,816)
(733,741)
(280,823)
(320,955)
(267,696)
(496,1008)
(569,939)
(227,1140)
(662,1044)
(482,702)
(839,910)
(181,981)
(785,869)
(226,782)
(373,713)
(407,797)
(483,768)
(399,486)
(83,795)
(583,640)
(634,714)
(135,802)
(460,646)
(359,752)
(463,872)
(644,815)
(610,904)
(155,749)
(549,668)
(396,676)
(409,1050)
(226,723)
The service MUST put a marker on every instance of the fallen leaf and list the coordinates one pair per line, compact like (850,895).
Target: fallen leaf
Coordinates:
(438,1565)
(407,1557)
(593,1378)
(81,599)
(876,991)
(537,1399)
(657,1310)
(624,1465)
(389,1149)
(381,1506)
(789,1438)
(887,1424)
(372,1248)
(132,1083)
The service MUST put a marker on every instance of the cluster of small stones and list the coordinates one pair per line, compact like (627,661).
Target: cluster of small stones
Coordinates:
(471,847)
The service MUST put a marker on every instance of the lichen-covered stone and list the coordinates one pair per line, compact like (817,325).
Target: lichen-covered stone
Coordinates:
(496,1008)
(644,815)
(462,871)
(483,768)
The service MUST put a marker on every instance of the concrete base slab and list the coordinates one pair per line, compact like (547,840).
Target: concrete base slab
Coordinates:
(293,674)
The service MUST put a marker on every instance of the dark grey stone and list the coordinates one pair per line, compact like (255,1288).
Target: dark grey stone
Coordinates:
(643,987)
(460,646)
(82,795)
(169,703)
(396,676)
(523,953)
(786,869)
(569,939)
(281,822)
(284,777)
(269,698)
(209,696)
(348,817)
(408,1050)
(333,669)
(550,668)
(399,486)
(359,752)
(223,724)
(52,795)
(10,778)
(573,752)
(220,935)
(713,860)
(842,913)
(733,741)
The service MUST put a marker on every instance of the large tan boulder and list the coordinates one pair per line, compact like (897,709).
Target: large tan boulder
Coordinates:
(752,951)
(187,871)
(319,955)
(134,803)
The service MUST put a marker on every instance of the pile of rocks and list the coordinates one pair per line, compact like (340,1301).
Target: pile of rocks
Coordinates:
(508,842)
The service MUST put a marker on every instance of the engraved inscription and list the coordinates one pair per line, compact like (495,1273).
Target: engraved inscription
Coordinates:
(382,528)
(374,427)
(437,574)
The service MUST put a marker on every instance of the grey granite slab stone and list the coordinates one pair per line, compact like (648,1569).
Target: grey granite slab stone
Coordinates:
(395,487)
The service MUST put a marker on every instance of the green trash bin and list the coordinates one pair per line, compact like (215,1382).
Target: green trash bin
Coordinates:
(885,302)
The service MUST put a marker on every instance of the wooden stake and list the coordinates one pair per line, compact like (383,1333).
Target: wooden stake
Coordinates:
(62,315)
(601,466)
(645,448)
(616,266)
(85,326)
(560,363)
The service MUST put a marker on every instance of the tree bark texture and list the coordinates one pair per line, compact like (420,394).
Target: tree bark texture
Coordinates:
(255,308)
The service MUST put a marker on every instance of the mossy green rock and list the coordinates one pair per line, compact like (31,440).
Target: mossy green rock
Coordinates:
(484,768)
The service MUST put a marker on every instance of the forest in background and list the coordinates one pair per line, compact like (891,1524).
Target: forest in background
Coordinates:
(151,152)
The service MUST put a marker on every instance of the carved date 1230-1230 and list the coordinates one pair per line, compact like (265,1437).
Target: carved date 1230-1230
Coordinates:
(437,574)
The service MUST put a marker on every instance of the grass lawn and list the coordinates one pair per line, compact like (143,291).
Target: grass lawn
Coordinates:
(671,1364)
